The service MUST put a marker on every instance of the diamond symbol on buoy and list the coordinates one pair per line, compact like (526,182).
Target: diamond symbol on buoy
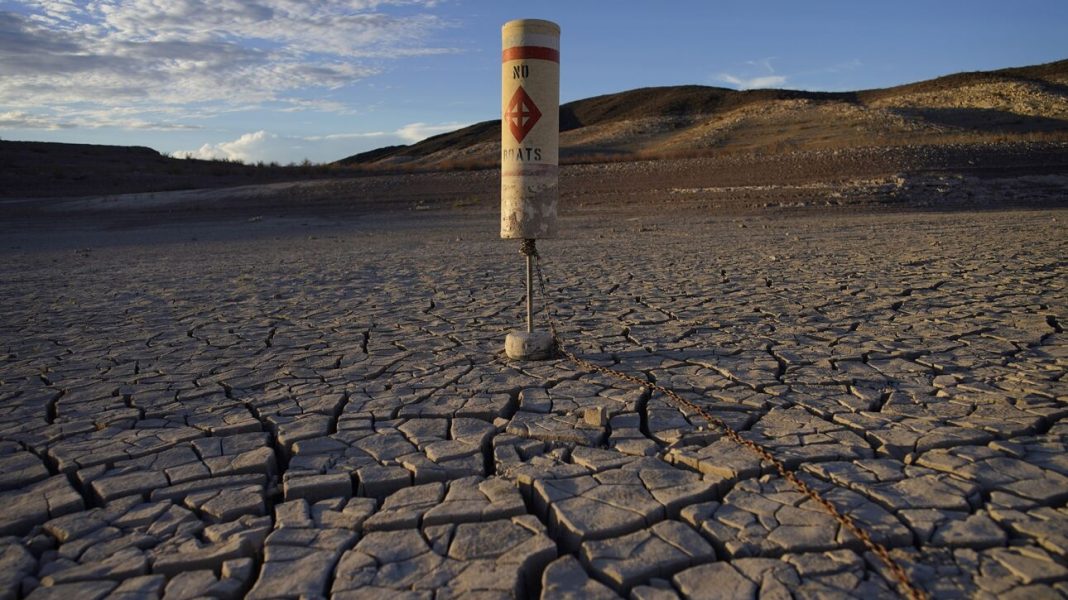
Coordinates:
(521,114)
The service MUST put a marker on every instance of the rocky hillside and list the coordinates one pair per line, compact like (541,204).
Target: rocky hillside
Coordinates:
(1027,104)
(1000,123)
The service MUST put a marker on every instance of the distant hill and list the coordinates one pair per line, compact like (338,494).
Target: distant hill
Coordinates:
(996,110)
(37,169)
(1017,104)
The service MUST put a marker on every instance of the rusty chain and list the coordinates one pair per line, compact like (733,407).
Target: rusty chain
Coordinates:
(907,587)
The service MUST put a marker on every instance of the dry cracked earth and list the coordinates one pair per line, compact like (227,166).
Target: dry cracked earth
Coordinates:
(325,410)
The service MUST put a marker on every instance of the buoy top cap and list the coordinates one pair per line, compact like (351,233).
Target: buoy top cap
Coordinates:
(534,25)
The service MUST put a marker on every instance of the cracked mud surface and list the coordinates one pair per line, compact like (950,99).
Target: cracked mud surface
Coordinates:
(327,412)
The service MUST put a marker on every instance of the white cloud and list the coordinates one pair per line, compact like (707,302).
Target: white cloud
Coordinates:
(89,119)
(765,81)
(268,147)
(24,120)
(60,56)
(346,136)
(771,79)
(415,132)
(814,78)
(250,147)
(764,63)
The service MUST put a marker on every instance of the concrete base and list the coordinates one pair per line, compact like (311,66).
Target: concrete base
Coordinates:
(536,345)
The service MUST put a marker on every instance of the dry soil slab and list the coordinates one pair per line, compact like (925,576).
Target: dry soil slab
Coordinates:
(327,411)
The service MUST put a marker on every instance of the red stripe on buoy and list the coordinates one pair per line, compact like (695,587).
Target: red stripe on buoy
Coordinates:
(535,52)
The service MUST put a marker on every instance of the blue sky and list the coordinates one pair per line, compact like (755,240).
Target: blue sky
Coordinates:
(284,80)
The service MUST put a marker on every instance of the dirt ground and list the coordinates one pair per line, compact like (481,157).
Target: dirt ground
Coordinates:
(972,177)
(300,389)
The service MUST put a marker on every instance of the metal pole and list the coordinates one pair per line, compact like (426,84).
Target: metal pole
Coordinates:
(530,157)
(530,294)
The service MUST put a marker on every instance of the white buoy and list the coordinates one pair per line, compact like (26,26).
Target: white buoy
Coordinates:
(530,150)
(530,128)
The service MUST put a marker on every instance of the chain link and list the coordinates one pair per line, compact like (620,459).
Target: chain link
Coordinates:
(908,588)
